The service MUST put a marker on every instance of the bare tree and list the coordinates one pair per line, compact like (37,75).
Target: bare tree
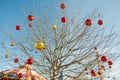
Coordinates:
(67,47)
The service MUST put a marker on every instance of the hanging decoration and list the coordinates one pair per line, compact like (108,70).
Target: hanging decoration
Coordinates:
(30,61)
(85,69)
(88,22)
(99,73)
(30,17)
(110,66)
(63,19)
(18,27)
(62,6)
(100,22)
(12,44)
(16,60)
(93,73)
(40,46)
(30,25)
(20,75)
(102,66)
(110,63)
(7,55)
(54,27)
(103,58)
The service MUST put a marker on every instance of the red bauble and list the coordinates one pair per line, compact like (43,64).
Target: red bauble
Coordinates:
(62,6)
(110,63)
(110,66)
(88,22)
(30,17)
(103,66)
(30,25)
(18,27)
(103,58)
(20,75)
(93,73)
(100,22)
(99,73)
(63,19)
(16,60)
(85,69)
(30,61)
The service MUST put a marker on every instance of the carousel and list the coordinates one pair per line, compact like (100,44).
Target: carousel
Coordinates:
(25,72)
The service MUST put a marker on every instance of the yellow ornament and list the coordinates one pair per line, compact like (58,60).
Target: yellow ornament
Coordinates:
(7,56)
(12,44)
(28,78)
(40,46)
(54,27)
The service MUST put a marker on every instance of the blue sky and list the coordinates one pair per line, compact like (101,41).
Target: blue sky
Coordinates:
(11,12)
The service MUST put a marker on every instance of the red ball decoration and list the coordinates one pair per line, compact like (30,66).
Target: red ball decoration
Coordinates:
(103,58)
(110,63)
(93,73)
(30,17)
(16,60)
(110,66)
(30,25)
(20,75)
(103,66)
(100,22)
(99,73)
(62,6)
(30,61)
(85,69)
(63,19)
(18,27)
(88,22)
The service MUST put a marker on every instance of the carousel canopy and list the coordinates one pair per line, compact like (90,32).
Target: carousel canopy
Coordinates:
(25,72)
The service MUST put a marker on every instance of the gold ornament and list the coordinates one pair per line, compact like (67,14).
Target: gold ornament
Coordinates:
(40,46)
(7,56)
(28,78)
(12,44)
(54,27)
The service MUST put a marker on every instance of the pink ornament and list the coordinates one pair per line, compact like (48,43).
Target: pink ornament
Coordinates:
(110,63)
(62,6)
